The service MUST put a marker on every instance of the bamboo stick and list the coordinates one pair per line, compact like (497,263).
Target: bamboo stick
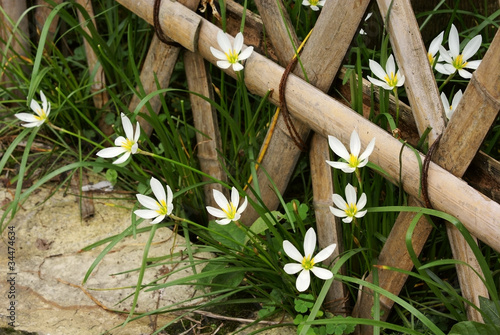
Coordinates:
(158,67)
(205,121)
(97,88)
(327,116)
(424,98)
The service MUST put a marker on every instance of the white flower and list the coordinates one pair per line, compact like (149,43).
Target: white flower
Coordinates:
(354,161)
(361,31)
(390,78)
(229,55)
(42,113)
(454,60)
(449,110)
(307,262)
(229,210)
(349,209)
(315,4)
(125,146)
(159,208)
(434,48)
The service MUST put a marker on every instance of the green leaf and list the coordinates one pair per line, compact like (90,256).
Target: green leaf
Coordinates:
(229,235)
(112,176)
(296,207)
(473,328)
(232,279)
(490,311)
(303,303)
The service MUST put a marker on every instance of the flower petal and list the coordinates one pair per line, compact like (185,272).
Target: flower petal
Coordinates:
(309,242)
(145,213)
(445,55)
(303,281)
(456,99)
(325,253)
(223,64)
(237,67)
(377,82)
(137,132)
(292,251)
(218,54)
(445,102)
(147,202)
(26,117)
(220,199)
(337,212)
(35,107)
(246,53)
(347,219)
(390,65)
(238,43)
(474,64)
(127,127)
(441,69)
(158,219)
(338,148)
(123,158)
(110,152)
(436,42)
(321,273)
(339,201)
(350,194)
(355,144)
(464,74)
(368,151)
(377,69)
(340,165)
(223,41)
(216,212)
(472,47)
(454,42)
(223,221)
(158,190)
(292,268)
(170,198)
(361,201)
(360,214)
(243,206)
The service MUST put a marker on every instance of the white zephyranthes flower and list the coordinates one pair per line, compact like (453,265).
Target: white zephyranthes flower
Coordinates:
(229,210)
(307,262)
(434,48)
(353,159)
(158,208)
(125,146)
(390,79)
(351,208)
(361,31)
(229,55)
(449,110)
(42,113)
(456,61)
(315,4)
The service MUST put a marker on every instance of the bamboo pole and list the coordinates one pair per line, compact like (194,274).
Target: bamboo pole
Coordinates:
(424,98)
(99,94)
(41,15)
(327,116)
(19,46)
(205,121)
(157,70)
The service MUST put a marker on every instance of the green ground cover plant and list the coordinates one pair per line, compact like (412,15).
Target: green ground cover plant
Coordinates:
(47,99)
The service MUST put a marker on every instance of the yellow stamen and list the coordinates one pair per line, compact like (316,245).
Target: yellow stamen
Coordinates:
(162,207)
(308,262)
(232,56)
(351,209)
(431,58)
(127,145)
(458,62)
(230,211)
(42,115)
(353,160)
(313,2)
(392,79)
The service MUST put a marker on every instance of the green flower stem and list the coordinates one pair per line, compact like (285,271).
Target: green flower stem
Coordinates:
(147,153)
(397,105)
(360,181)
(53,126)
(446,81)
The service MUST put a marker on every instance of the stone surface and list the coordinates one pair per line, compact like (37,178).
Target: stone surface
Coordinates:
(50,298)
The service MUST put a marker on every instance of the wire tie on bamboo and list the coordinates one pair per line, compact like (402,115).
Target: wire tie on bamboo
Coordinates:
(425,170)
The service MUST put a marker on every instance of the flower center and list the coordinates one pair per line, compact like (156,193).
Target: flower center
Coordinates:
(308,262)
(42,115)
(431,58)
(353,161)
(230,211)
(313,2)
(351,209)
(392,79)
(232,56)
(162,207)
(458,62)
(127,145)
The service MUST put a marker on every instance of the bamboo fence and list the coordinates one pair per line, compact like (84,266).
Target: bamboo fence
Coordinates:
(313,110)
